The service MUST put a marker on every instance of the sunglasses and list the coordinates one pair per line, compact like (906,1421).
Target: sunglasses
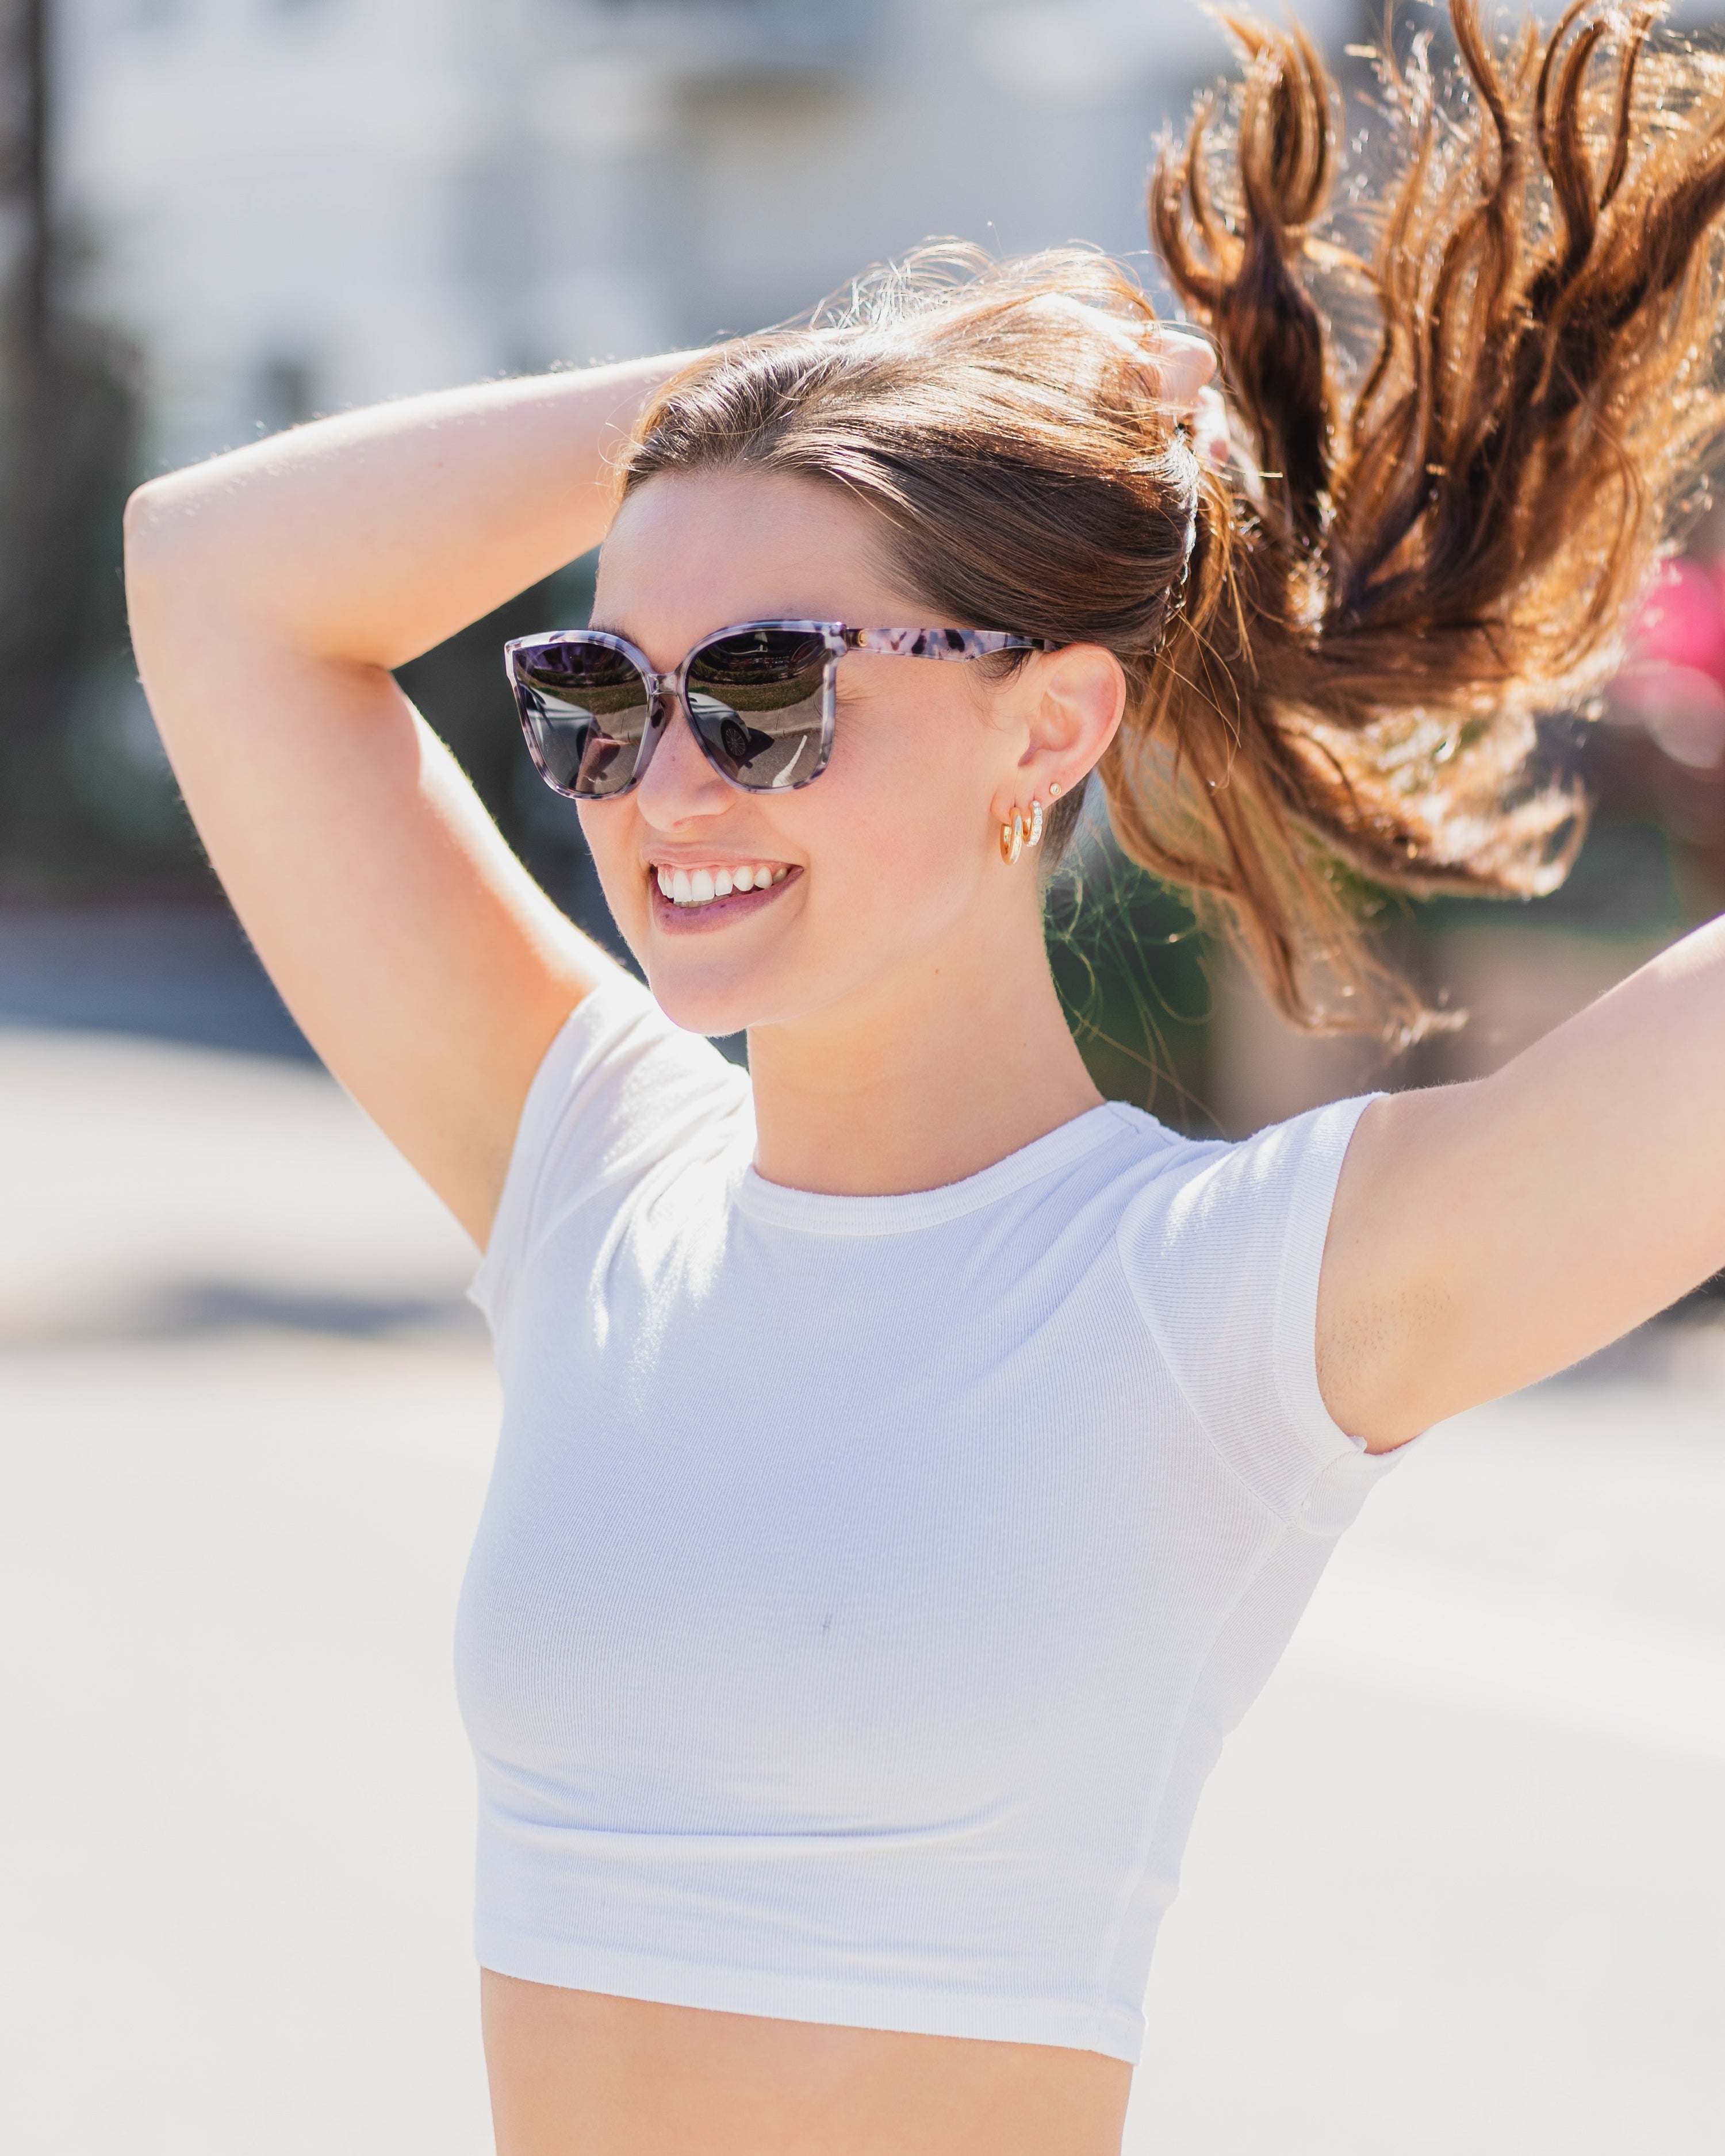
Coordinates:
(760,699)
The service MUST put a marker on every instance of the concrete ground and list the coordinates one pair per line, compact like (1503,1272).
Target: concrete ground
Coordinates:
(1458,1883)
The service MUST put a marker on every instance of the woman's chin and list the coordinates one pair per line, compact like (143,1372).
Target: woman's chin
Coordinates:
(692,998)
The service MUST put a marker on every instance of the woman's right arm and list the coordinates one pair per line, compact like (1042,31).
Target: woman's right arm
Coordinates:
(272,591)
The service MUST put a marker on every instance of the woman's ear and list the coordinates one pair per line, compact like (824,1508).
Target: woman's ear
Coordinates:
(1077,697)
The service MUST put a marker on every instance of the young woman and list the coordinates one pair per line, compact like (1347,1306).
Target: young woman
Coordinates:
(911,1465)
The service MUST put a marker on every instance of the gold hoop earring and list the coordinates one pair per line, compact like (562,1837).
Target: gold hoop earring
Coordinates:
(1025,829)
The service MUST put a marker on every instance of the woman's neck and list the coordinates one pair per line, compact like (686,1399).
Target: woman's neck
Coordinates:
(920,1082)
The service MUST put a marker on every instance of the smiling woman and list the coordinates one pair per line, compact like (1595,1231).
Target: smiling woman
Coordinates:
(912,1466)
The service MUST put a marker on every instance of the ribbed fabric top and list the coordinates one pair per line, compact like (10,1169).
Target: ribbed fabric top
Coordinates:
(866,1585)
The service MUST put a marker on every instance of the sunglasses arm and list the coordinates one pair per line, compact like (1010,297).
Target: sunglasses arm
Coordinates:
(941,643)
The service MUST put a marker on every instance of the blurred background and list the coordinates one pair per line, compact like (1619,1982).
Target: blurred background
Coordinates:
(1458,1880)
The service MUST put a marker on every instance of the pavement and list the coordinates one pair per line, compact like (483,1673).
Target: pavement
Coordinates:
(1458,1883)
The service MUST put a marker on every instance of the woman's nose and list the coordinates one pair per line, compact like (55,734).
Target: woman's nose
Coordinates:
(679,785)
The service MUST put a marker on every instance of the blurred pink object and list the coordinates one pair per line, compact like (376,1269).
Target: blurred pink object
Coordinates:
(1673,683)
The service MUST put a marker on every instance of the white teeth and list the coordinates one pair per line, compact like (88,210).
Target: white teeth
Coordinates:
(702,886)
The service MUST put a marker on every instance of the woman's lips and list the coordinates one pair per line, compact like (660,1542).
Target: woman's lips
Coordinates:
(693,916)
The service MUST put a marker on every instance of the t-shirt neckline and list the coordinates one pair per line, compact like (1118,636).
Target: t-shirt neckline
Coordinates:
(821,1213)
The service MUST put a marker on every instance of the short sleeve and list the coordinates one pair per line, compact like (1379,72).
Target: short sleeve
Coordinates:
(1223,1251)
(620,1090)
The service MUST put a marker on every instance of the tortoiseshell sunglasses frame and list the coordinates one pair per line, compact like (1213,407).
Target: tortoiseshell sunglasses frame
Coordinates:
(669,691)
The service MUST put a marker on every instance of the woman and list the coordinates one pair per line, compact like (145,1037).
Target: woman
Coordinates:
(912,1466)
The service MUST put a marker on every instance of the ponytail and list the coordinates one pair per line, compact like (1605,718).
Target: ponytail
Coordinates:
(1442,545)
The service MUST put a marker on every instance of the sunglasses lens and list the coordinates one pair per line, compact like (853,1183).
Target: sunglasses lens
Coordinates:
(587,710)
(760,702)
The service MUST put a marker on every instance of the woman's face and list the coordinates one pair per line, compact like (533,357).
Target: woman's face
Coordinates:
(888,861)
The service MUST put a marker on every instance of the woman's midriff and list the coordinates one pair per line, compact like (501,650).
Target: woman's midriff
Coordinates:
(578,2073)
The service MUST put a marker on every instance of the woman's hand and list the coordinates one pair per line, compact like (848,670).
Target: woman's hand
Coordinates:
(1178,361)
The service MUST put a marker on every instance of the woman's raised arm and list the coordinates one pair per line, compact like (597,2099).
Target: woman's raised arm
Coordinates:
(1448,541)
(272,590)
(1487,1234)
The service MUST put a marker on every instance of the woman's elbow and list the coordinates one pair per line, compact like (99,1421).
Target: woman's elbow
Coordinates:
(147,525)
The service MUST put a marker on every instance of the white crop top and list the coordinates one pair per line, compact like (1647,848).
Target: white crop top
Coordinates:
(866,1585)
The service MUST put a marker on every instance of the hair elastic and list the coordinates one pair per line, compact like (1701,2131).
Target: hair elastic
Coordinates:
(1174,597)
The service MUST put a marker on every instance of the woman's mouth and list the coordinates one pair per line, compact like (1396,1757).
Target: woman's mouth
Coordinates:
(715,892)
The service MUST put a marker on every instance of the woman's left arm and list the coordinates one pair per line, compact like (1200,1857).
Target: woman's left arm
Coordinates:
(1489,1234)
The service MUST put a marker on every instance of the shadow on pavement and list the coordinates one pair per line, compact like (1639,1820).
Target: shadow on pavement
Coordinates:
(185,1311)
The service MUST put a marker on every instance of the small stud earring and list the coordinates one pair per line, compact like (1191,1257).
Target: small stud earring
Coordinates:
(1054,791)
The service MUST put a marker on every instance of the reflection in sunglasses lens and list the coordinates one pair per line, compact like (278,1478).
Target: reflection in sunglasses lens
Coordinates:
(759,702)
(586,709)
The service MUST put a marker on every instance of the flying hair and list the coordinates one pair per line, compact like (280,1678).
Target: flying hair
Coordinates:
(1469,407)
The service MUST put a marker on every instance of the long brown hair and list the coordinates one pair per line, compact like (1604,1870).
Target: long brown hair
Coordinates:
(1466,411)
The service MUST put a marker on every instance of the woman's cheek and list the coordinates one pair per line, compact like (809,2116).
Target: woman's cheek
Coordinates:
(613,854)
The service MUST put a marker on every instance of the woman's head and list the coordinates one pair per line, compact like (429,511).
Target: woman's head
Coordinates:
(982,455)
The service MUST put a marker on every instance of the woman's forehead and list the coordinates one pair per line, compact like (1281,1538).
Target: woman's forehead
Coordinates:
(693,551)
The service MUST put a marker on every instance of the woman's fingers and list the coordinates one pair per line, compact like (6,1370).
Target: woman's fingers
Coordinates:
(1178,361)
(1208,423)
(1184,363)
(1182,357)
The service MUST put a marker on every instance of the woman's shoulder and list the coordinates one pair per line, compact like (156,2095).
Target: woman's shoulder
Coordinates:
(620,1091)
(1229,1195)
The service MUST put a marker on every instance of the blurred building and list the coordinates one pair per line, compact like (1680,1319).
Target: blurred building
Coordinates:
(299,205)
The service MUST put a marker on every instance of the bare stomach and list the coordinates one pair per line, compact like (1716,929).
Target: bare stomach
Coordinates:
(576,2073)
